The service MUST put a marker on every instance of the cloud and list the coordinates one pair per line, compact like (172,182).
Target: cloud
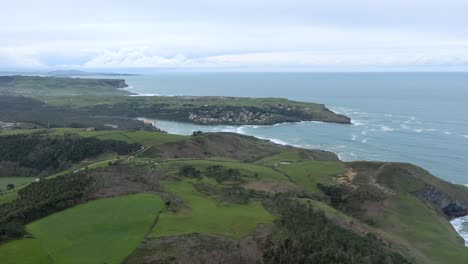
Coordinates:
(135,58)
(20,58)
(229,34)
(146,58)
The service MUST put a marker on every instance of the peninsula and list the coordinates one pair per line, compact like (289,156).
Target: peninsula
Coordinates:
(105,97)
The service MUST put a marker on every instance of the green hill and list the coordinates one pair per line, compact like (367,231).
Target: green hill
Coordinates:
(223,197)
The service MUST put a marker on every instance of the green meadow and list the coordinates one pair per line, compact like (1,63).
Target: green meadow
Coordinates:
(252,171)
(206,216)
(145,138)
(102,231)
(16,181)
(309,173)
(407,217)
(24,251)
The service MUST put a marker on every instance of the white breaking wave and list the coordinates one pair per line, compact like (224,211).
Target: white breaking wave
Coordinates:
(420,130)
(386,128)
(461,226)
(145,94)
(278,141)
(357,123)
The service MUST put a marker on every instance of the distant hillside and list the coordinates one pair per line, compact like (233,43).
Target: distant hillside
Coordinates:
(32,86)
(71,73)
(217,198)
(105,97)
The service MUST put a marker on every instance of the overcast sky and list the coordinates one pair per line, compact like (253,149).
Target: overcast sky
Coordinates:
(235,35)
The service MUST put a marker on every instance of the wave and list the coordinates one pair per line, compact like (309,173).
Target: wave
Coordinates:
(348,111)
(465,136)
(145,94)
(386,128)
(357,123)
(278,141)
(461,226)
(412,120)
(420,130)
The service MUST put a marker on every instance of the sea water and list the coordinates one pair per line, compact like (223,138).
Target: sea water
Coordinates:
(420,118)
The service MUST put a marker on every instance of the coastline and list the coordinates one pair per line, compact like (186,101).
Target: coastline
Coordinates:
(182,128)
(238,111)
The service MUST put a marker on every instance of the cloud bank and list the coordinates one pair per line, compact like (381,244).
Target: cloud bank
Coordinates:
(246,34)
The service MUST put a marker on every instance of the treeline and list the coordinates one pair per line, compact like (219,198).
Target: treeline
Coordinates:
(21,109)
(352,201)
(227,195)
(27,155)
(304,235)
(217,172)
(40,199)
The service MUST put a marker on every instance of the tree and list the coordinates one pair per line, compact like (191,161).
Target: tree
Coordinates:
(10,186)
(189,171)
(197,133)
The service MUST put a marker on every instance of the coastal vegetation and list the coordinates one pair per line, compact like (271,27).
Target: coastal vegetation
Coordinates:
(38,155)
(223,199)
(95,232)
(102,187)
(206,110)
(79,102)
(32,86)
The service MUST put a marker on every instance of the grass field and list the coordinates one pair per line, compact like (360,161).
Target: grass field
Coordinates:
(145,138)
(103,231)
(17,181)
(247,169)
(288,156)
(8,197)
(24,251)
(207,216)
(407,217)
(309,173)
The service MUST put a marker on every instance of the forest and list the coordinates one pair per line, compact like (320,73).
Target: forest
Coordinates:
(42,155)
(27,110)
(304,235)
(40,199)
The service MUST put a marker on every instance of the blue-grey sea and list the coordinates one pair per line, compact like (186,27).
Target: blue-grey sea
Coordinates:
(420,118)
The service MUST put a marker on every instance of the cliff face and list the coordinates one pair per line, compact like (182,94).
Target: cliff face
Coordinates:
(450,199)
(450,206)
(116,83)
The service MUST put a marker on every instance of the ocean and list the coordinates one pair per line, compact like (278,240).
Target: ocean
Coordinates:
(420,118)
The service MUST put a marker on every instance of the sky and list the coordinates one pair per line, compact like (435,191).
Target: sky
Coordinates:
(237,35)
